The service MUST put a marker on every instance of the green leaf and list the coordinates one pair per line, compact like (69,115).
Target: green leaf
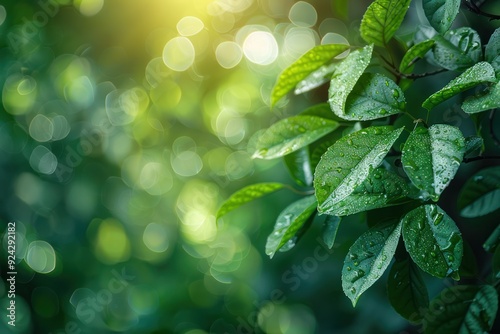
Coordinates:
(492,51)
(368,258)
(348,162)
(382,19)
(380,189)
(480,73)
(490,99)
(299,166)
(374,96)
(315,79)
(289,222)
(431,158)
(330,229)
(480,195)
(458,49)
(291,134)
(462,309)
(441,13)
(346,76)
(406,290)
(302,67)
(416,51)
(433,241)
(472,144)
(246,195)
(493,240)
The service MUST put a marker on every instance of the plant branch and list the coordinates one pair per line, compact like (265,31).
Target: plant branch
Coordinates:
(471,6)
(482,157)
(421,75)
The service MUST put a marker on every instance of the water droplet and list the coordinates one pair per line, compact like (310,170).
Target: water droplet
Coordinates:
(451,258)
(433,254)
(387,83)
(356,263)
(421,224)
(348,268)
(353,290)
(383,111)
(339,169)
(353,256)
(384,257)
(395,93)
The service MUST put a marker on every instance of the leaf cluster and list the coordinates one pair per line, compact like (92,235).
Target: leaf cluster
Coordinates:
(340,151)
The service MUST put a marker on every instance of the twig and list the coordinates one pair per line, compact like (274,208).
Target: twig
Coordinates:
(421,75)
(482,157)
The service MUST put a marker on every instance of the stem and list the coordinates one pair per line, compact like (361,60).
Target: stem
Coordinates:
(300,192)
(482,157)
(421,75)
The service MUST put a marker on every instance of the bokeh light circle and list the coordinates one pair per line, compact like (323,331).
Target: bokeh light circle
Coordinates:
(41,257)
(260,47)
(189,26)
(178,54)
(155,237)
(41,128)
(43,160)
(228,54)
(303,14)
(89,7)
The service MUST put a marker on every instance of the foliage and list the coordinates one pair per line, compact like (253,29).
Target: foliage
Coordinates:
(361,170)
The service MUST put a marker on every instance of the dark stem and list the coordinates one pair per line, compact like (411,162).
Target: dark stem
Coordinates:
(473,7)
(421,75)
(482,157)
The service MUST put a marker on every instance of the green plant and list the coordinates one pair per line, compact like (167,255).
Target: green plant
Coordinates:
(368,149)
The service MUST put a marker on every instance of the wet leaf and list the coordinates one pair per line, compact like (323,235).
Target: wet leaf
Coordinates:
(330,229)
(315,79)
(431,158)
(458,49)
(406,290)
(289,222)
(299,166)
(368,258)
(433,241)
(492,51)
(480,73)
(380,189)
(441,13)
(246,195)
(416,51)
(489,99)
(382,19)
(462,309)
(472,144)
(302,67)
(290,134)
(374,96)
(480,195)
(345,77)
(348,162)
(493,240)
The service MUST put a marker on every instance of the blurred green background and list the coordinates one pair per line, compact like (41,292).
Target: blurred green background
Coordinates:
(124,124)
